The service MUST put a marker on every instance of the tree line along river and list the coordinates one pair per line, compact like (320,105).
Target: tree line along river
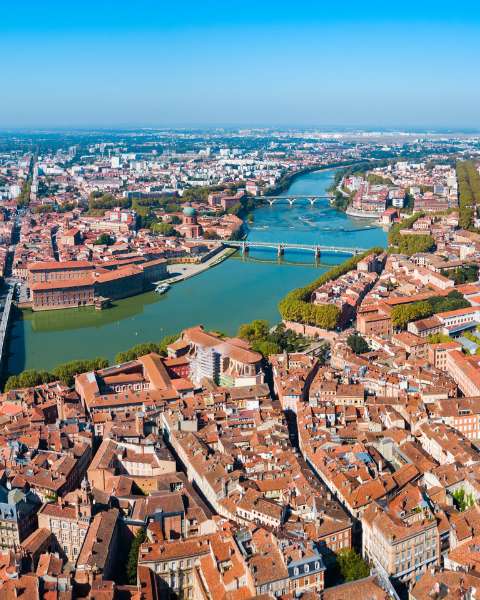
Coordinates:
(238,290)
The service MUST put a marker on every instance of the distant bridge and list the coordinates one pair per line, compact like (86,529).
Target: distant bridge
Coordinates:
(291,199)
(280,247)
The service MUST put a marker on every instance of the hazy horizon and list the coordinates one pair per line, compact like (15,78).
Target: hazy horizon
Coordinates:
(193,127)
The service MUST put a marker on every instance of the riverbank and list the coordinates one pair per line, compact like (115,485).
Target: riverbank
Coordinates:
(288,179)
(341,200)
(4,323)
(361,214)
(188,270)
(238,290)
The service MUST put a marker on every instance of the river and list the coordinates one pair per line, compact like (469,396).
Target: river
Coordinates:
(234,292)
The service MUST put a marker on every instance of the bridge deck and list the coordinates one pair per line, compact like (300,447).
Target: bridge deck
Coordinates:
(294,197)
(293,246)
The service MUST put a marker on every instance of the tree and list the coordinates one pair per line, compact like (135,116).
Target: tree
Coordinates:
(375,179)
(136,351)
(266,341)
(104,240)
(145,348)
(211,235)
(296,305)
(287,339)
(402,314)
(438,338)
(196,194)
(132,562)
(357,344)
(42,209)
(67,371)
(99,201)
(266,348)
(28,378)
(464,274)
(175,220)
(165,229)
(255,331)
(462,499)
(394,234)
(324,353)
(469,192)
(166,341)
(413,244)
(351,565)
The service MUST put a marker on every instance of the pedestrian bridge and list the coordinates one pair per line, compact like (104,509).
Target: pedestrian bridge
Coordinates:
(280,247)
(290,199)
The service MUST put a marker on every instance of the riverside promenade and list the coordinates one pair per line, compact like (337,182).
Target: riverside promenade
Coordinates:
(182,271)
(362,214)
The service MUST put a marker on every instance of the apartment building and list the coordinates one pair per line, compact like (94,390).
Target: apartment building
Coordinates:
(17,516)
(175,563)
(401,535)
(68,521)
(437,353)
(465,370)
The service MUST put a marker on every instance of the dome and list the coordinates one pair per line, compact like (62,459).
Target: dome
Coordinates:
(189,211)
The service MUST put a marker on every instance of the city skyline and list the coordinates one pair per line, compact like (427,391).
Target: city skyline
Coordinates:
(116,65)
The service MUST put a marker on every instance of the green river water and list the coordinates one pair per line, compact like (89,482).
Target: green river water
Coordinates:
(234,292)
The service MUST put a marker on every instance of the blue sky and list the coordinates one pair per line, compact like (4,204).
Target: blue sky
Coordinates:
(156,63)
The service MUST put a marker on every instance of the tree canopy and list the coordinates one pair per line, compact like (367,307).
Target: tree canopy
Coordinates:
(267,341)
(394,233)
(146,348)
(409,243)
(438,338)
(65,373)
(351,565)
(28,378)
(98,202)
(469,192)
(166,229)
(402,314)
(104,239)
(132,562)
(296,305)
(413,244)
(463,274)
(357,344)
(462,499)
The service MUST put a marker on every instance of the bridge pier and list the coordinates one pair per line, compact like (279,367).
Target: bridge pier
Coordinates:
(291,202)
(312,201)
(244,246)
(271,202)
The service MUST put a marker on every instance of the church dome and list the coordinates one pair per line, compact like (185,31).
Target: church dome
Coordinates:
(189,211)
